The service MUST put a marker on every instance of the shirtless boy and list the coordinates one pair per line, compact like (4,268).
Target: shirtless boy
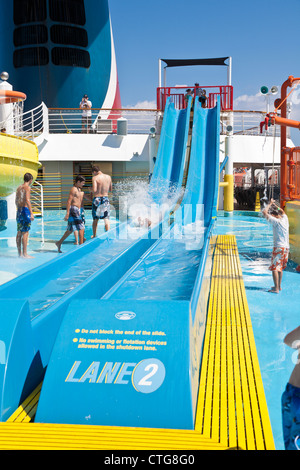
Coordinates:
(100,209)
(24,215)
(74,213)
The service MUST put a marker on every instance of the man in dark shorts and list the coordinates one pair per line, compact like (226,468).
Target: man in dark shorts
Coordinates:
(74,213)
(24,215)
(102,185)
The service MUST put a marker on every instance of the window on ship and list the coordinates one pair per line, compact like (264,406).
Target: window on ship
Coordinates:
(33,34)
(61,34)
(67,11)
(29,11)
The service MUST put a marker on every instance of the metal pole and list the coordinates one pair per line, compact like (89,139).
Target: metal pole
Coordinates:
(229,70)
(228,177)
(159,73)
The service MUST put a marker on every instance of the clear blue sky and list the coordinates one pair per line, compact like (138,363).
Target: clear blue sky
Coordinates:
(261,37)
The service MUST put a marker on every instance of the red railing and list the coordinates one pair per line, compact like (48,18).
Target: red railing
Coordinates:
(212,92)
(291,189)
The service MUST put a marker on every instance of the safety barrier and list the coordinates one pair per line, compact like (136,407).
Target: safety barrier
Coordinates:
(212,92)
(25,125)
(37,199)
(102,121)
(56,187)
(33,123)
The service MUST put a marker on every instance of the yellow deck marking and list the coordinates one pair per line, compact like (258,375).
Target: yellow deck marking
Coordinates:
(231,391)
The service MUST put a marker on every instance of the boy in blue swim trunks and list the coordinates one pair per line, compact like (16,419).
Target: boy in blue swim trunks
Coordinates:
(24,215)
(74,214)
(102,185)
(291,397)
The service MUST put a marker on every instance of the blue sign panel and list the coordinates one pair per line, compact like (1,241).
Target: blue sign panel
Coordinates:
(120,363)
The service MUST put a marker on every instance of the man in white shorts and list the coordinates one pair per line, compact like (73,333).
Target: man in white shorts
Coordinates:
(102,185)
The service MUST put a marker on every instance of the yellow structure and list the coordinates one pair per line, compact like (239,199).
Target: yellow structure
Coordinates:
(17,157)
(231,411)
(292,210)
(257,202)
(228,193)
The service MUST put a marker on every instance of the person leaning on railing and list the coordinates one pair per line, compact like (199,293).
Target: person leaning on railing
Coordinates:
(86,106)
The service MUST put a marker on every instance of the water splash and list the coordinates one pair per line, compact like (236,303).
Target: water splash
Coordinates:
(145,204)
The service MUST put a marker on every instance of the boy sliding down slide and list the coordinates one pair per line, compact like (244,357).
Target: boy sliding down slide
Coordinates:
(280,222)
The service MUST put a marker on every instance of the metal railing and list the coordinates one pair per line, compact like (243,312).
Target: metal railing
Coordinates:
(177,95)
(26,125)
(37,199)
(32,124)
(246,123)
(56,187)
(102,121)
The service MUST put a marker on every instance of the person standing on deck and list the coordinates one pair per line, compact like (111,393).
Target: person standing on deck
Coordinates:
(280,222)
(24,215)
(101,186)
(86,120)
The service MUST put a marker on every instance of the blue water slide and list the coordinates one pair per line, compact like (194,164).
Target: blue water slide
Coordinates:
(143,364)
(88,271)
(203,174)
(171,151)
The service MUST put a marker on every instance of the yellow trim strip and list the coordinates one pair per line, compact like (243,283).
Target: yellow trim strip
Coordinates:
(71,437)
(26,412)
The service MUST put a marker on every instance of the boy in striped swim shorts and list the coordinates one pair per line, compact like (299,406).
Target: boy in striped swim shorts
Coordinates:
(74,214)
(280,222)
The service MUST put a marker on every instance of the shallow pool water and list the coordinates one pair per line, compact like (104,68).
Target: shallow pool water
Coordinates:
(168,272)
(42,237)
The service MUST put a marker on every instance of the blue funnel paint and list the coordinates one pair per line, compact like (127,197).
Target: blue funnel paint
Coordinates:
(56,52)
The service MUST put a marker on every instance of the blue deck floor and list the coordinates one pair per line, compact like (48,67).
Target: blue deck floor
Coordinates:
(43,235)
(272,315)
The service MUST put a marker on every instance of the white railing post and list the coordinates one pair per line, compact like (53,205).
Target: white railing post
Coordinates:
(45,118)
(32,125)
(38,198)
